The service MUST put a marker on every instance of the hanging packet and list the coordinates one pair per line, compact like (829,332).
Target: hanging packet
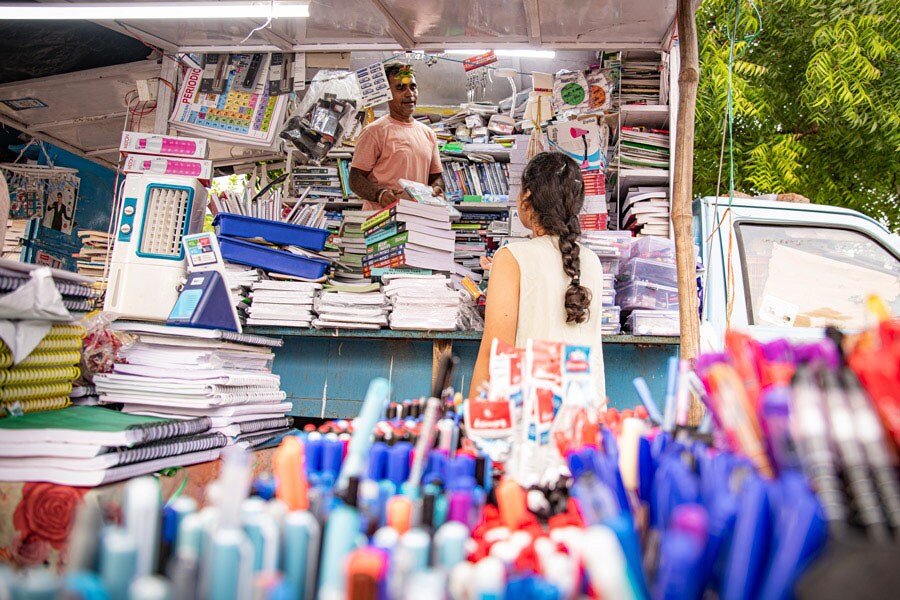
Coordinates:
(491,418)
(577,421)
(542,398)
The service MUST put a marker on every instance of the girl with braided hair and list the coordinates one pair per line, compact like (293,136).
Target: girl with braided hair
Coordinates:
(548,288)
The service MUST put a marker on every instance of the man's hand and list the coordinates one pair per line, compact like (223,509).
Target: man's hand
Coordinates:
(436,191)
(389,197)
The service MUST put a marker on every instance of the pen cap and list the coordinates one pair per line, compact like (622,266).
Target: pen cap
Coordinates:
(460,507)
(228,566)
(398,463)
(426,585)
(314,455)
(290,475)
(118,561)
(366,569)
(263,533)
(141,515)
(399,513)
(173,514)
(752,531)
(489,578)
(512,503)
(378,460)
(373,406)
(332,457)
(691,519)
(300,553)
(386,539)
(461,467)
(680,563)
(150,587)
(450,545)
(629,448)
(437,468)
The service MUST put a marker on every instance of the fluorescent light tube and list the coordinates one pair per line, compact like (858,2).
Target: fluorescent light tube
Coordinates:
(509,52)
(154,10)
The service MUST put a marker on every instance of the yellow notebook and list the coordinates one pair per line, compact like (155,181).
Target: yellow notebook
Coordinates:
(42,359)
(35,391)
(30,375)
(18,407)
(51,344)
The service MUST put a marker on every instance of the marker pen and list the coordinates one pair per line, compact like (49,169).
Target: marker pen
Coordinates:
(290,474)
(752,530)
(450,545)
(366,568)
(424,444)
(488,579)
(604,563)
(378,460)
(141,518)
(263,533)
(341,535)
(173,514)
(229,566)
(646,398)
(400,513)
(75,586)
(410,556)
(460,584)
(300,553)
(386,539)
(373,406)
(426,585)
(668,423)
(183,572)
(118,561)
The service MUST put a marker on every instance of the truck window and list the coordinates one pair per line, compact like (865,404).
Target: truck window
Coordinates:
(813,276)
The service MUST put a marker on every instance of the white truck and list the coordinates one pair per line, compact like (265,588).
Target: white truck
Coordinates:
(794,268)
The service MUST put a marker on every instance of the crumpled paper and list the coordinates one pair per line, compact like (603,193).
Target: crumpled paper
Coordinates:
(27,312)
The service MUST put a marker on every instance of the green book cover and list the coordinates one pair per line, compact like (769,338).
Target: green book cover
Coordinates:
(391,242)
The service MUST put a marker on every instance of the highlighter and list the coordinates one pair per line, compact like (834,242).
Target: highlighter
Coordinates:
(373,407)
(141,513)
(300,553)
(290,474)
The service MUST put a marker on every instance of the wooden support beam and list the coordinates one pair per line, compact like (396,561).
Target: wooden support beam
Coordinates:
(397,30)
(682,188)
(165,96)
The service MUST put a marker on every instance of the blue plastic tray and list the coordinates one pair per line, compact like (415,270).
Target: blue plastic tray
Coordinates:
(276,232)
(269,259)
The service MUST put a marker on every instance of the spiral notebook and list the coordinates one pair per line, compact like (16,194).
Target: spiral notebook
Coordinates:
(210,334)
(96,425)
(35,391)
(16,408)
(27,376)
(40,358)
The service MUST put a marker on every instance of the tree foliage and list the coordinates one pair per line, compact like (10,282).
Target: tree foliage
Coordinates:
(816,101)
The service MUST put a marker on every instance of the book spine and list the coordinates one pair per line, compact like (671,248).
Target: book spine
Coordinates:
(387,232)
(382,226)
(397,261)
(391,242)
(369,261)
(379,217)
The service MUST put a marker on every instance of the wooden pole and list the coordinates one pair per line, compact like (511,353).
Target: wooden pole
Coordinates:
(682,187)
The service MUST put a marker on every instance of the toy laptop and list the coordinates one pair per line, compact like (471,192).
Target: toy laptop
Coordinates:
(204,301)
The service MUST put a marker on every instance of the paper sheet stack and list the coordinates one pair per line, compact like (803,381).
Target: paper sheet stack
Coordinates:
(239,279)
(425,302)
(351,309)
(282,303)
(180,372)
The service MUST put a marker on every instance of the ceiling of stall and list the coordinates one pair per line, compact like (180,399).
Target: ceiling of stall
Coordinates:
(86,110)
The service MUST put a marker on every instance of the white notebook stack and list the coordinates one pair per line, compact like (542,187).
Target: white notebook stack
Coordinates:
(180,372)
(422,302)
(351,310)
(282,303)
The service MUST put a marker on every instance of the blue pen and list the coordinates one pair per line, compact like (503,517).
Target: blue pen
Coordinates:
(300,553)
(750,542)
(680,558)
(643,392)
(372,409)
(118,561)
(668,423)
(398,464)
(646,469)
(623,526)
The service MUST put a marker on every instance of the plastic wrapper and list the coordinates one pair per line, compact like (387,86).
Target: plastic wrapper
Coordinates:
(576,423)
(470,318)
(326,114)
(494,416)
(101,346)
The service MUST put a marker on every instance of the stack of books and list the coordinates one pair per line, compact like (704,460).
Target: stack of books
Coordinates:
(482,178)
(359,306)
(518,159)
(410,234)
(352,241)
(43,379)
(645,211)
(593,215)
(92,445)
(183,372)
(324,182)
(93,258)
(77,291)
(640,82)
(422,302)
(282,303)
(12,241)
(643,148)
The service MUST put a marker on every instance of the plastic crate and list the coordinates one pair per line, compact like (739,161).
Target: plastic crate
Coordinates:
(610,315)
(270,259)
(647,295)
(275,232)
(651,271)
(653,322)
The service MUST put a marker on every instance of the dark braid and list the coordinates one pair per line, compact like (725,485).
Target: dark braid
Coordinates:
(557,194)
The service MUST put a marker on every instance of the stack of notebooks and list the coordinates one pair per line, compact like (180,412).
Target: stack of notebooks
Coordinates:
(240,279)
(593,215)
(640,82)
(361,306)
(352,242)
(643,148)
(12,241)
(411,234)
(93,258)
(425,302)
(77,292)
(282,303)
(324,182)
(645,211)
(92,445)
(518,159)
(181,372)
(43,380)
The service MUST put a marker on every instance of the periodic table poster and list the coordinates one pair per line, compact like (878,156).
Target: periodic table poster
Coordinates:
(240,117)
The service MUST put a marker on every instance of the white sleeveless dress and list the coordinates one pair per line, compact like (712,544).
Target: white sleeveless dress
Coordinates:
(542,290)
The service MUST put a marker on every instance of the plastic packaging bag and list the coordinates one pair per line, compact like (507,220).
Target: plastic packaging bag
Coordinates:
(101,345)
(326,113)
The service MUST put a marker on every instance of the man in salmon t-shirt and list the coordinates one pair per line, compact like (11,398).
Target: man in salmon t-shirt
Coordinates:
(394,147)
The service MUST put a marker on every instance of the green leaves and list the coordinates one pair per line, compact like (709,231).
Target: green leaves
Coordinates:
(816,100)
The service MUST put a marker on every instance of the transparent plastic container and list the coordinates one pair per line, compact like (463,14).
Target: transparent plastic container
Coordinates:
(610,315)
(653,247)
(650,296)
(647,270)
(653,322)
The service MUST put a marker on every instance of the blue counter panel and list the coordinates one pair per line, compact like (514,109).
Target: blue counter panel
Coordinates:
(307,363)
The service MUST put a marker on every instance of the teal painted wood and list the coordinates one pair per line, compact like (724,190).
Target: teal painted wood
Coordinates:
(307,362)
